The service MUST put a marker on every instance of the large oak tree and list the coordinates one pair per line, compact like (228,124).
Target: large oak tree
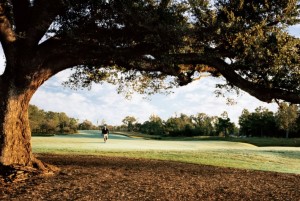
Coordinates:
(142,41)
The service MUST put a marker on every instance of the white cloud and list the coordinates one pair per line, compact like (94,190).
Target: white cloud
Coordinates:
(100,103)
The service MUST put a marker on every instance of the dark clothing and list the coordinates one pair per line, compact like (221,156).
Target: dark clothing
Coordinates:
(105,131)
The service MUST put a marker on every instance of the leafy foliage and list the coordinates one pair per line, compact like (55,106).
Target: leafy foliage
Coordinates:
(143,42)
(287,116)
(263,122)
(137,44)
(182,125)
(224,126)
(42,122)
(260,123)
(129,122)
(86,125)
(252,37)
(125,37)
(153,127)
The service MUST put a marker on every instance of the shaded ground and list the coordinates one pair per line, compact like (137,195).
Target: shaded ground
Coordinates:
(112,178)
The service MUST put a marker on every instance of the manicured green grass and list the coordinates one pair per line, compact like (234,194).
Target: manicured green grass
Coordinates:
(257,141)
(139,135)
(285,162)
(214,152)
(263,142)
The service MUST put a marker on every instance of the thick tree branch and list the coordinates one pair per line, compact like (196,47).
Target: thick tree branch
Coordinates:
(259,91)
(21,12)
(42,15)
(7,35)
(83,53)
(65,56)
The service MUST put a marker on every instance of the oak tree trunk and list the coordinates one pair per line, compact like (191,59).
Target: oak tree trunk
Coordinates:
(15,141)
(15,133)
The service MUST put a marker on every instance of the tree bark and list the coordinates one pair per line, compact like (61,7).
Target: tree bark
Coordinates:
(15,133)
(15,130)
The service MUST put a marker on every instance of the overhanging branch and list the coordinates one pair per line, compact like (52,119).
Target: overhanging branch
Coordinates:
(134,58)
(21,12)
(259,91)
(42,14)
(7,36)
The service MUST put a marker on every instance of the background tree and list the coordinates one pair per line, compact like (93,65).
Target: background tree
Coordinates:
(224,126)
(86,125)
(204,125)
(260,123)
(129,122)
(265,121)
(297,129)
(154,126)
(245,124)
(180,126)
(36,117)
(73,124)
(286,117)
(42,122)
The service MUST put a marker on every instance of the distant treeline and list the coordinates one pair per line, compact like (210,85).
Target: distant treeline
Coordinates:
(48,122)
(42,122)
(260,123)
(182,125)
(264,123)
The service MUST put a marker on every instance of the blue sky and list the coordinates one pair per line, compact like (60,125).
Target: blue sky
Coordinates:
(102,103)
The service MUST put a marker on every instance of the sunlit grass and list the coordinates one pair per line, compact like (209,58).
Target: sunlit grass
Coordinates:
(287,162)
(206,151)
(257,141)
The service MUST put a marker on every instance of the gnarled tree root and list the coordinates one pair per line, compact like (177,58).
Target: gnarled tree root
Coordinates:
(17,173)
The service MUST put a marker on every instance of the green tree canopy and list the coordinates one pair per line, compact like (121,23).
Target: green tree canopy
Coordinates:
(244,41)
(42,122)
(129,122)
(86,125)
(287,116)
(259,123)
(153,126)
(224,125)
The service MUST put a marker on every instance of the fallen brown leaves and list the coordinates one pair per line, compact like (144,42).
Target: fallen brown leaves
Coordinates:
(111,178)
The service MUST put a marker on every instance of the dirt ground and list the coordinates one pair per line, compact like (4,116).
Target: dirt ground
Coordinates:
(107,178)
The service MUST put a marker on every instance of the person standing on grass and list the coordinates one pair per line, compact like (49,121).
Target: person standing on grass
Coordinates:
(105,133)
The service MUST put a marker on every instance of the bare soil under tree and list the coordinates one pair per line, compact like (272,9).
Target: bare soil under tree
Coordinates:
(113,178)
